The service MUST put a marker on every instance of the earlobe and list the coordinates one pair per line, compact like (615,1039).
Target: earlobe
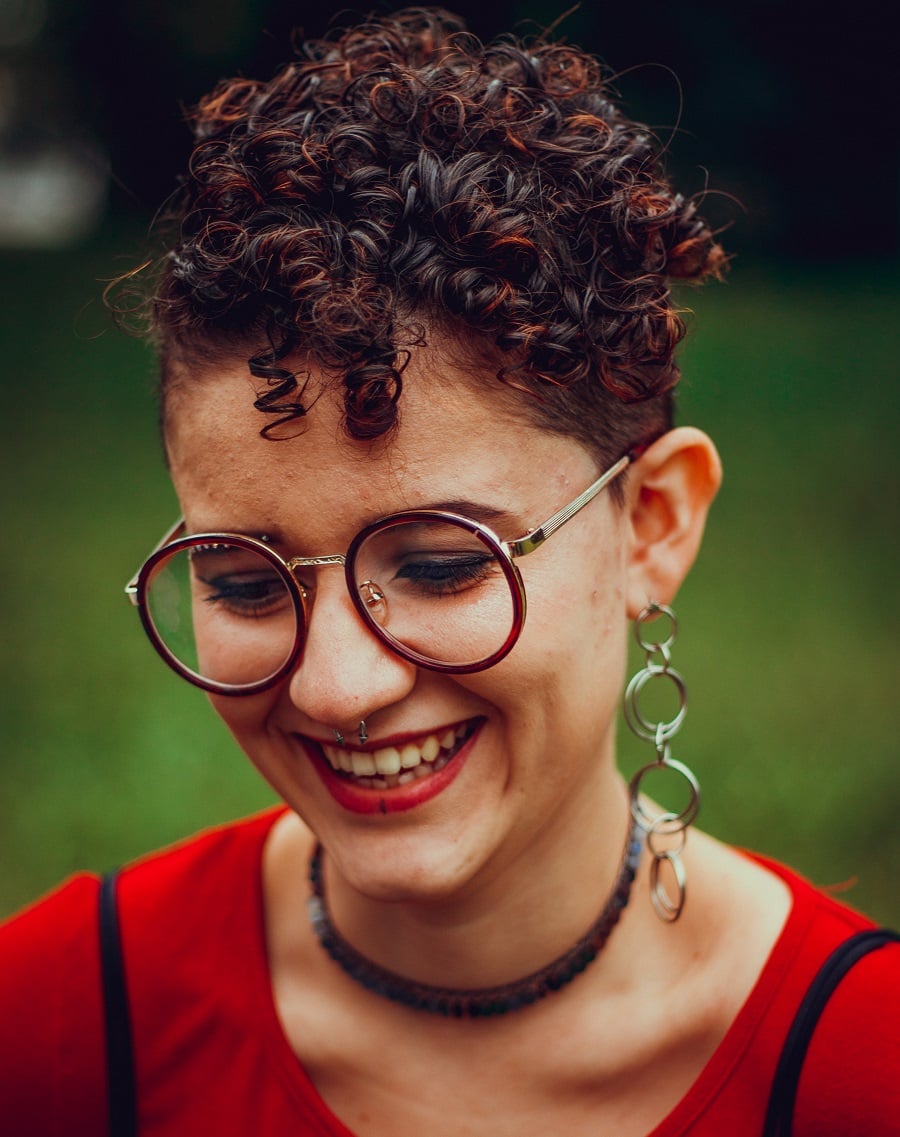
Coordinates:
(670,490)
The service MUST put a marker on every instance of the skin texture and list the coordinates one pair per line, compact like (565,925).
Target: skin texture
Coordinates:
(542,705)
(479,877)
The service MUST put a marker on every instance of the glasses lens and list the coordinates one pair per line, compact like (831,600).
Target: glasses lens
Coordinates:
(223,612)
(437,588)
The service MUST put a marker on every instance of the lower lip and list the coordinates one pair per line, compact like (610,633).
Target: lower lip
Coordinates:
(358,799)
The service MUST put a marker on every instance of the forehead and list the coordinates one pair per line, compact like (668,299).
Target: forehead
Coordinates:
(460,433)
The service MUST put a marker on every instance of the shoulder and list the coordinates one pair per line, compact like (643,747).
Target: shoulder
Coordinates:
(36,941)
(171,903)
(51,1039)
(203,860)
(193,942)
(167,896)
(848,1084)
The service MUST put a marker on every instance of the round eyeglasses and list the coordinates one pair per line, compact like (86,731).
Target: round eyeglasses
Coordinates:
(229,614)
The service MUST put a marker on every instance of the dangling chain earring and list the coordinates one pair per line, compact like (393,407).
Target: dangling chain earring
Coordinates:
(666,832)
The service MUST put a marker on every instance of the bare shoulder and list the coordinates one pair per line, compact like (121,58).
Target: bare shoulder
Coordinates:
(848,1086)
(735,912)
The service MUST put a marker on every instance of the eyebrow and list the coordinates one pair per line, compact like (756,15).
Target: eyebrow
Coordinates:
(476,511)
(268,537)
(473,510)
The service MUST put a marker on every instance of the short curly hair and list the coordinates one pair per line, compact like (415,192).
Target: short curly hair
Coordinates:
(401,175)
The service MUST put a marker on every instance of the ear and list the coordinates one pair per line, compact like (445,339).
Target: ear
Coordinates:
(670,489)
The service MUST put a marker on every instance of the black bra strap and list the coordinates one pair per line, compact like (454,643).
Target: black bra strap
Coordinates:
(782,1100)
(119,1054)
(780,1113)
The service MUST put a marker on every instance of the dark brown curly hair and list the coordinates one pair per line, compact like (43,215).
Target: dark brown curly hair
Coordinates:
(400,175)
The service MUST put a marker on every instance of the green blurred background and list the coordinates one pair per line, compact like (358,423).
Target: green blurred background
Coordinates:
(787,622)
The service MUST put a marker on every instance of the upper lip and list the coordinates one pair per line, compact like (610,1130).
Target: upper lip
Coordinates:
(351,740)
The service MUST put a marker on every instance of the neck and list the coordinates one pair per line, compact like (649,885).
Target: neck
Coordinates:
(519,913)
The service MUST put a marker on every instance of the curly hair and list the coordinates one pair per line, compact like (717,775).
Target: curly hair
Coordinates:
(400,175)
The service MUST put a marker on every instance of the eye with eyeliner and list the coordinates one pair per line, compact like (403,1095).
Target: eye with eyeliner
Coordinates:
(250,595)
(447,575)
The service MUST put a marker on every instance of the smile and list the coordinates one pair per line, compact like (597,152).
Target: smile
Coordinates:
(397,774)
(388,767)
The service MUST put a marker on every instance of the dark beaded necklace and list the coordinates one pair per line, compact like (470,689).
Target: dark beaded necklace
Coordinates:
(462,1003)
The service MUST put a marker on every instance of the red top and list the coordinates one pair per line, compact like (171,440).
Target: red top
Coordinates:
(212,1058)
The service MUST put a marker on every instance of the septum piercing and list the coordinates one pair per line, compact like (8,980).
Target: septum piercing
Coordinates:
(363,735)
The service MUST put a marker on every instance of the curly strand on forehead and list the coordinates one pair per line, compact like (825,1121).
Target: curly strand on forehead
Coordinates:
(399,175)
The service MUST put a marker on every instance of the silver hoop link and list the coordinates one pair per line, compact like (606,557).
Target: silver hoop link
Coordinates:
(656,732)
(666,832)
(669,822)
(666,908)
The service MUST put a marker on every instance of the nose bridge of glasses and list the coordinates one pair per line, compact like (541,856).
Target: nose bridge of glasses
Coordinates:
(367,598)
(296,563)
(372,594)
(315,562)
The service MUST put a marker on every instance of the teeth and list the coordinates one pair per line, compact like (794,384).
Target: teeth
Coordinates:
(387,761)
(411,756)
(363,764)
(390,766)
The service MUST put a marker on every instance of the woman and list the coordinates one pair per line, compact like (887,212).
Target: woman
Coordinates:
(416,345)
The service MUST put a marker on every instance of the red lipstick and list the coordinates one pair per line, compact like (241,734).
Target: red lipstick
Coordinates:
(397,799)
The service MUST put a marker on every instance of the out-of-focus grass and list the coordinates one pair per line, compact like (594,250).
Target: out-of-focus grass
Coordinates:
(786,623)
(105,755)
(788,619)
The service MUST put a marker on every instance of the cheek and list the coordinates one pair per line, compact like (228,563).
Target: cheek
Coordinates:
(573,648)
(568,663)
(577,603)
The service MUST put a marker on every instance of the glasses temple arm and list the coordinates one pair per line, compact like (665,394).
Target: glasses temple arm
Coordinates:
(131,588)
(538,536)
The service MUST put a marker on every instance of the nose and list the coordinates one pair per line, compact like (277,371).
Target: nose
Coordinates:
(345,673)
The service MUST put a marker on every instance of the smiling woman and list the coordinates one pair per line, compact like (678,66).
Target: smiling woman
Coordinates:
(415,321)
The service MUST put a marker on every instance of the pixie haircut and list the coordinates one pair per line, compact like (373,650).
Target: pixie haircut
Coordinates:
(401,176)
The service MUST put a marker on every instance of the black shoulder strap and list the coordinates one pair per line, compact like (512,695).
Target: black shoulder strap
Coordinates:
(780,1113)
(119,1054)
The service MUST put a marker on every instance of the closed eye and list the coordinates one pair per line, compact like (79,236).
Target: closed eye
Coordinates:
(253,594)
(447,575)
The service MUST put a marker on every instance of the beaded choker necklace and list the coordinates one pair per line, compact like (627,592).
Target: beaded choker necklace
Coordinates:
(482,1001)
